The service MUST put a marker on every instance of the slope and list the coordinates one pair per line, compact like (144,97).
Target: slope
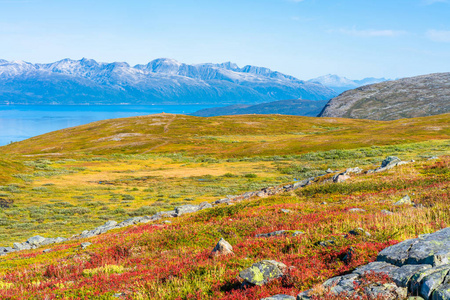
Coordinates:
(405,98)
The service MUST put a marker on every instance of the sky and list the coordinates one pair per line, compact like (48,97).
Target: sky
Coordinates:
(303,38)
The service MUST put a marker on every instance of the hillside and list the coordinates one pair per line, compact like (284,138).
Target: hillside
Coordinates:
(230,136)
(405,98)
(139,203)
(284,107)
(161,81)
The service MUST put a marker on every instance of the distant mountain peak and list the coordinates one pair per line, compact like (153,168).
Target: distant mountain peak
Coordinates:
(341,84)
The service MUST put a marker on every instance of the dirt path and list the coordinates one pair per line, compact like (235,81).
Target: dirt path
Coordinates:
(166,128)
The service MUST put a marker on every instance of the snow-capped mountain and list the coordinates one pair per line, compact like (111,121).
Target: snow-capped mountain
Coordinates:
(162,81)
(342,84)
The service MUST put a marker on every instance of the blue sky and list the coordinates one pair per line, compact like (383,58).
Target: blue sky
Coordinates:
(303,38)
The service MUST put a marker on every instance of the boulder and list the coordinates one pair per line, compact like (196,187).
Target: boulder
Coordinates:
(359,231)
(204,205)
(353,210)
(36,240)
(404,201)
(262,272)
(85,245)
(186,209)
(222,248)
(390,161)
(432,249)
(286,211)
(274,233)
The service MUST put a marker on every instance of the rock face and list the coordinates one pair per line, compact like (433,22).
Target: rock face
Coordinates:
(418,267)
(419,96)
(262,272)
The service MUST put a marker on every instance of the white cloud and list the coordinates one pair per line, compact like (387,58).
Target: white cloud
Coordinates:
(439,35)
(370,32)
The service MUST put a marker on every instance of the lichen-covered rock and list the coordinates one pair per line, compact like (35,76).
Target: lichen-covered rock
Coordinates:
(442,292)
(186,209)
(359,231)
(433,249)
(404,201)
(402,275)
(353,210)
(262,272)
(36,240)
(425,282)
(222,248)
(340,178)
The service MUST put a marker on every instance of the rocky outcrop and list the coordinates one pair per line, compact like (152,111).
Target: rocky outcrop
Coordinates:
(418,266)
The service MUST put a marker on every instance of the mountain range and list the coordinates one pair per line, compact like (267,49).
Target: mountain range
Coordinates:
(341,84)
(161,81)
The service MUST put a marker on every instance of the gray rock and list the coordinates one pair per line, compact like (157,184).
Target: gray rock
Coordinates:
(327,243)
(386,212)
(356,210)
(359,231)
(5,250)
(403,275)
(262,272)
(432,274)
(297,232)
(85,245)
(404,201)
(47,250)
(385,291)
(204,205)
(432,281)
(390,161)
(21,246)
(379,267)
(433,249)
(306,295)
(224,200)
(415,298)
(167,214)
(286,211)
(36,240)
(222,248)
(442,292)
(186,209)
(433,158)
(279,297)
(341,284)
(329,171)
(355,170)
(274,233)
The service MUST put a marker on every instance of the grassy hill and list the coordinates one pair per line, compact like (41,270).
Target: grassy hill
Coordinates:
(71,180)
(230,136)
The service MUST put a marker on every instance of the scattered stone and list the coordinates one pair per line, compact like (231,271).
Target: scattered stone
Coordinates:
(222,248)
(390,161)
(329,171)
(404,201)
(224,200)
(21,246)
(186,209)
(356,210)
(204,205)
(355,170)
(433,158)
(297,232)
(274,233)
(359,231)
(47,250)
(323,203)
(327,243)
(167,222)
(262,272)
(36,240)
(85,245)
(286,211)
(386,212)
(279,297)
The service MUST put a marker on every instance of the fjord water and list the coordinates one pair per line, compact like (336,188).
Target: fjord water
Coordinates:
(19,122)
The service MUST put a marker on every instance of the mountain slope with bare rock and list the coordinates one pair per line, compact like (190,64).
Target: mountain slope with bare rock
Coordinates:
(419,96)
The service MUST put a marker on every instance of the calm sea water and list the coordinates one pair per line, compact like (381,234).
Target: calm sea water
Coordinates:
(19,122)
